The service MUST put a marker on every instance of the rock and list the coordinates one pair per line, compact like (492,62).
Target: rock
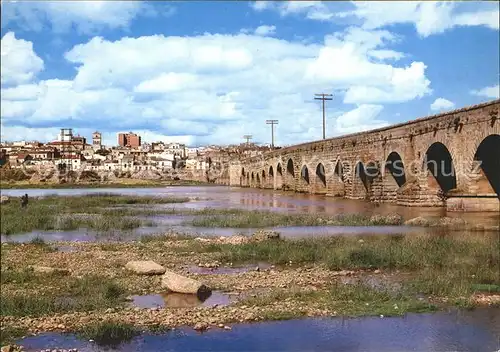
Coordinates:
(7,348)
(263,235)
(200,326)
(4,200)
(455,223)
(393,219)
(418,221)
(145,267)
(178,283)
(49,270)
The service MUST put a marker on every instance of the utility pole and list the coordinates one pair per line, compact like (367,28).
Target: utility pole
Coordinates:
(272,123)
(323,97)
(248,137)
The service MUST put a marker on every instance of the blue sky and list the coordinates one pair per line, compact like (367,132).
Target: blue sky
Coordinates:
(209,72)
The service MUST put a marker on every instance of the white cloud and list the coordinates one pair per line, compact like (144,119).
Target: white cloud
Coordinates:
(85,16)
(215,88)
(492,92)
(19,63)
(346,63)
(362,118)
(428,17)
(265,30)
(441,104)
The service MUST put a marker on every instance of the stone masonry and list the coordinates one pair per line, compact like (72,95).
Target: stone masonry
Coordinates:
(451,160)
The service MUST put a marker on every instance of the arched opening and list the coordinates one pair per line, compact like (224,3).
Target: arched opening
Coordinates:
(360,182)
(304,174)
(243,172)
(271,172)
(488,155)
(394,166)
(440,165)
(258,180)
(263,174)
(289,168)
(279,169)
(339,171)
(320,174)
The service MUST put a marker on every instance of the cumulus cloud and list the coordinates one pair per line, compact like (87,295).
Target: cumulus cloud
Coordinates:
(346,62)
(85,16)
(362,118)
(441,104)
(428,17)
(215,88)
(19,63)
(492,92)
(265,30)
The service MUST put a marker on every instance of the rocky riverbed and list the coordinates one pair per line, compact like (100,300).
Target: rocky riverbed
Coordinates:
(286,287)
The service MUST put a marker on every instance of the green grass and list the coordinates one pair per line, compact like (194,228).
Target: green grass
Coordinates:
(257,219)
(345,299)
(59,213)
(109,333)
(8,334)
(72,294)
(441,266)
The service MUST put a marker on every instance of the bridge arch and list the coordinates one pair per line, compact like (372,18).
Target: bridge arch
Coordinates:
(278,184)
(289,181)
(393,177)
(487,165)
(252,182)
(360,182)
(441,174)
(335,180)
(320,179)
(265,180)
(304,180)
(258,183)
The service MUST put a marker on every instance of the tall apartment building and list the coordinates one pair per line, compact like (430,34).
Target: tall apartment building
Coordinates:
(96,140)
(129,140)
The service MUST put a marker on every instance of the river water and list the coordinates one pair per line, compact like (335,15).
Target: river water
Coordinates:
(223,197)
(477,330)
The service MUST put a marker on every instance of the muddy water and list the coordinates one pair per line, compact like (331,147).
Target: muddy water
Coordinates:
(247,198)
(243,198)
(477,330)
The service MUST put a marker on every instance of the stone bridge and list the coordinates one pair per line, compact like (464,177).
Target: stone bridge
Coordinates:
(450,160)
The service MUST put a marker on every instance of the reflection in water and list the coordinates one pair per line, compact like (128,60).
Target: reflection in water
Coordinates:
(181,300)
(250,199)
(476,330)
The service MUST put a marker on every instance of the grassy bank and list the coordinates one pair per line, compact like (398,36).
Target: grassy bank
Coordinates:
(342,276)
(123,183)
(257,219)
(69,213)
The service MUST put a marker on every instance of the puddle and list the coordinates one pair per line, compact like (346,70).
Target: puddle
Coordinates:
(469,330)
(180,300)
(227,270)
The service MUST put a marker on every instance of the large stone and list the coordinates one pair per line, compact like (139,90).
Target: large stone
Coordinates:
(392,219)
(263,235)
(4,199)
(181,284)
(418,221)
(145,267)
(452,223)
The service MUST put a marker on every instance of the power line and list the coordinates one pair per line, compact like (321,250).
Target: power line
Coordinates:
(272,123)
(323,97)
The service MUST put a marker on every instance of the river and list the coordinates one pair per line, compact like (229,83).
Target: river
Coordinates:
(223,197)
(473,330)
